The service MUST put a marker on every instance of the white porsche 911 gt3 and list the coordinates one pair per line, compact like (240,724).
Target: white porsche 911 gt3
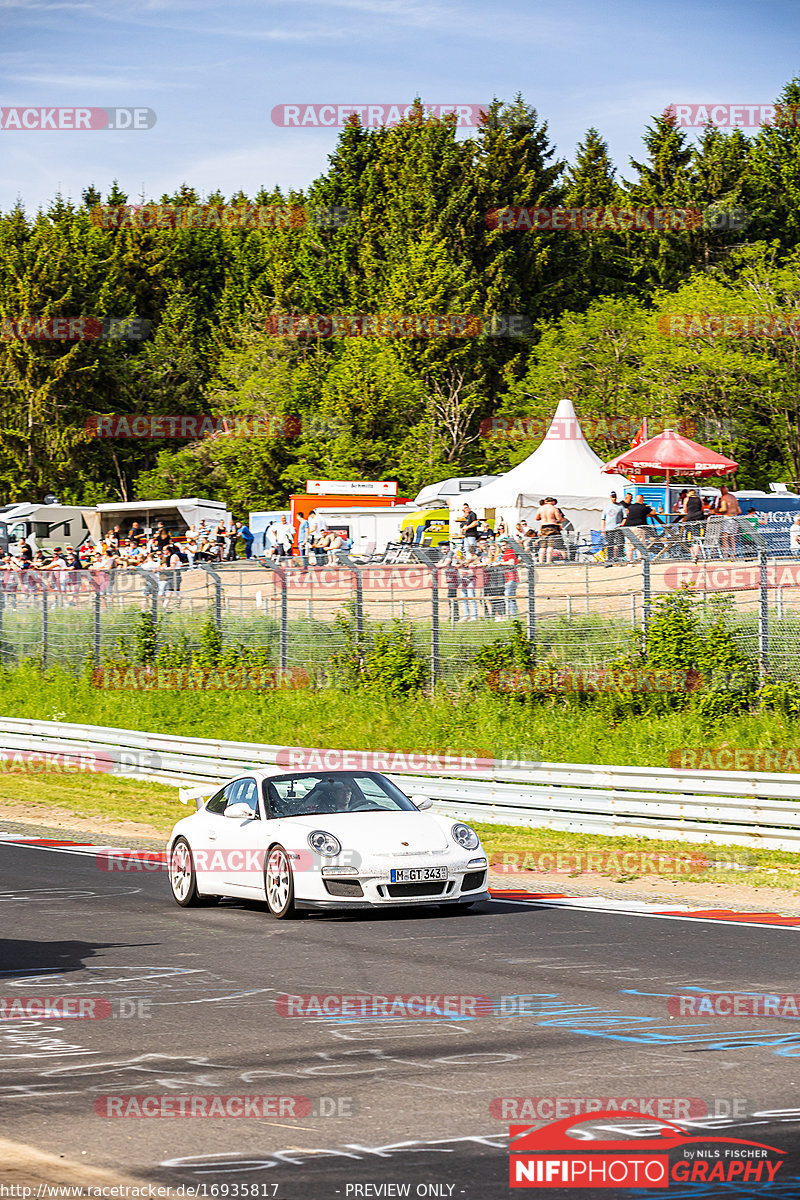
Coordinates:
(332,840)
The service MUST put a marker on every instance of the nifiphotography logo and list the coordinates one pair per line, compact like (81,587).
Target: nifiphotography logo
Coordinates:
(548,1157)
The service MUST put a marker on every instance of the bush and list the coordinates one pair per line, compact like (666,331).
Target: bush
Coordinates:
(384,661)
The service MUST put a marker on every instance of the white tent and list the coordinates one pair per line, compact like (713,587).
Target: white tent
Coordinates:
(562,465)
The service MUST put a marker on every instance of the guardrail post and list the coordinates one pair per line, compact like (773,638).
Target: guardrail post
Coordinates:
(45,623)
(96,638)
(427,560)
(217,592)
(763,616)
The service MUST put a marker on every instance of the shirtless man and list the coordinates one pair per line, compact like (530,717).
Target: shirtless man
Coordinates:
(728,509)
(550,517)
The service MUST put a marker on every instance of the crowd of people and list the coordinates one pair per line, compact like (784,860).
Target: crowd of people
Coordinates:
(67,571)
(689,520)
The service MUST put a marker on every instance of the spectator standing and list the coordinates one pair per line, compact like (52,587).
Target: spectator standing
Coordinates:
(469,528)
(495,583)
(693,517)
(271,540)
(231,538)
(549,517)
(245,533)
(611,524)
(728,508)
(284,538)
(220,534)
(450,566)
(638,513)
(302,541)
(466,584)
(72,576)
(511,579)
(10,579)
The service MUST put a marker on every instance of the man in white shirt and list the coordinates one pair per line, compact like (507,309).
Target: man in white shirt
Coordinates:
(610,523)
(285,537)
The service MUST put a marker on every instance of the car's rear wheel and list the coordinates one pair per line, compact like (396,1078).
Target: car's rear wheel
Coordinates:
(278,884)
(182,877)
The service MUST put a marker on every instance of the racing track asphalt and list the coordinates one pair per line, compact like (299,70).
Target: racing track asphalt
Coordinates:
(412,1095)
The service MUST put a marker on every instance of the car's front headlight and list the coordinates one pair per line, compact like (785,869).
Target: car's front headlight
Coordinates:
(467,838)
(324,843)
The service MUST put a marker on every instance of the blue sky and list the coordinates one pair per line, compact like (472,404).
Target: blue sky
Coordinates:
(213,73)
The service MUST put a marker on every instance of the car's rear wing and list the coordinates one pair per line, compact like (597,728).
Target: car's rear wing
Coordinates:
(198,794)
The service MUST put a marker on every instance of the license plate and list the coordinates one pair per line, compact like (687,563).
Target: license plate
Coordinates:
(415,874)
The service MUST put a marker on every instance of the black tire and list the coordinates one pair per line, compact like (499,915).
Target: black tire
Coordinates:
(279,884)
(182,877)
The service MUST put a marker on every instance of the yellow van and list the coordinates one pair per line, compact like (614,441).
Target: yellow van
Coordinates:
(429,526)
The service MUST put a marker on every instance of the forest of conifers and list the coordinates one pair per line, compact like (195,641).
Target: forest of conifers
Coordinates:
(418,242)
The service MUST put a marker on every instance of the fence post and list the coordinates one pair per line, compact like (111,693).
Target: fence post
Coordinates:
(217,593)
(96,639)
(427,560)
(639,544)
(346,561)
(763,616)
(151,587)
(283,641)
(529,562)
(44,626)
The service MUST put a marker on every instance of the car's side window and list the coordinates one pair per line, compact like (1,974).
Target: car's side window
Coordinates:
(249,795)
(218,803)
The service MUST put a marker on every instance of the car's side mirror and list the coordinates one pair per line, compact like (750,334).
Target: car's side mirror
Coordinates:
(422,802)
(240,812)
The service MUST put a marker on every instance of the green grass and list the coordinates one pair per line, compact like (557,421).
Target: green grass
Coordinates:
(482,725)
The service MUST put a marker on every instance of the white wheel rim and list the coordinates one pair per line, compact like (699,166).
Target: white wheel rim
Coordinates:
(277,881)
(180,871)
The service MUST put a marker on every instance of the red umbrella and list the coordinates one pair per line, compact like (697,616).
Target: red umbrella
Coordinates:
(670,453)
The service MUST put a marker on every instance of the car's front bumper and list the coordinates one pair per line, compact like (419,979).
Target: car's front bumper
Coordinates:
(342,903)
(371,888)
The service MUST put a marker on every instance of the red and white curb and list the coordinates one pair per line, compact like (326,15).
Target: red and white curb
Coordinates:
(644,908)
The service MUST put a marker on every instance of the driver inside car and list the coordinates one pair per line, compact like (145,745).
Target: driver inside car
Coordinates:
(334,795)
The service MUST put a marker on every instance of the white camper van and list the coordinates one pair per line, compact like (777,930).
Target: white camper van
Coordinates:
(44,526)
(177,516)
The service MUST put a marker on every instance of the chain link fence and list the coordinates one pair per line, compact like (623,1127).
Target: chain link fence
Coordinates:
(578,614)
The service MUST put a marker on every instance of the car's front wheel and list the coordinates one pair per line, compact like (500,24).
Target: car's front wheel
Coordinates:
(278,883)
(182,877)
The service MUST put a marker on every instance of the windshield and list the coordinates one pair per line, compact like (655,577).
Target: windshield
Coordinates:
(333,792)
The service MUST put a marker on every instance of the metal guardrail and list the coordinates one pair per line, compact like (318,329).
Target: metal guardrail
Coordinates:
(759,809)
